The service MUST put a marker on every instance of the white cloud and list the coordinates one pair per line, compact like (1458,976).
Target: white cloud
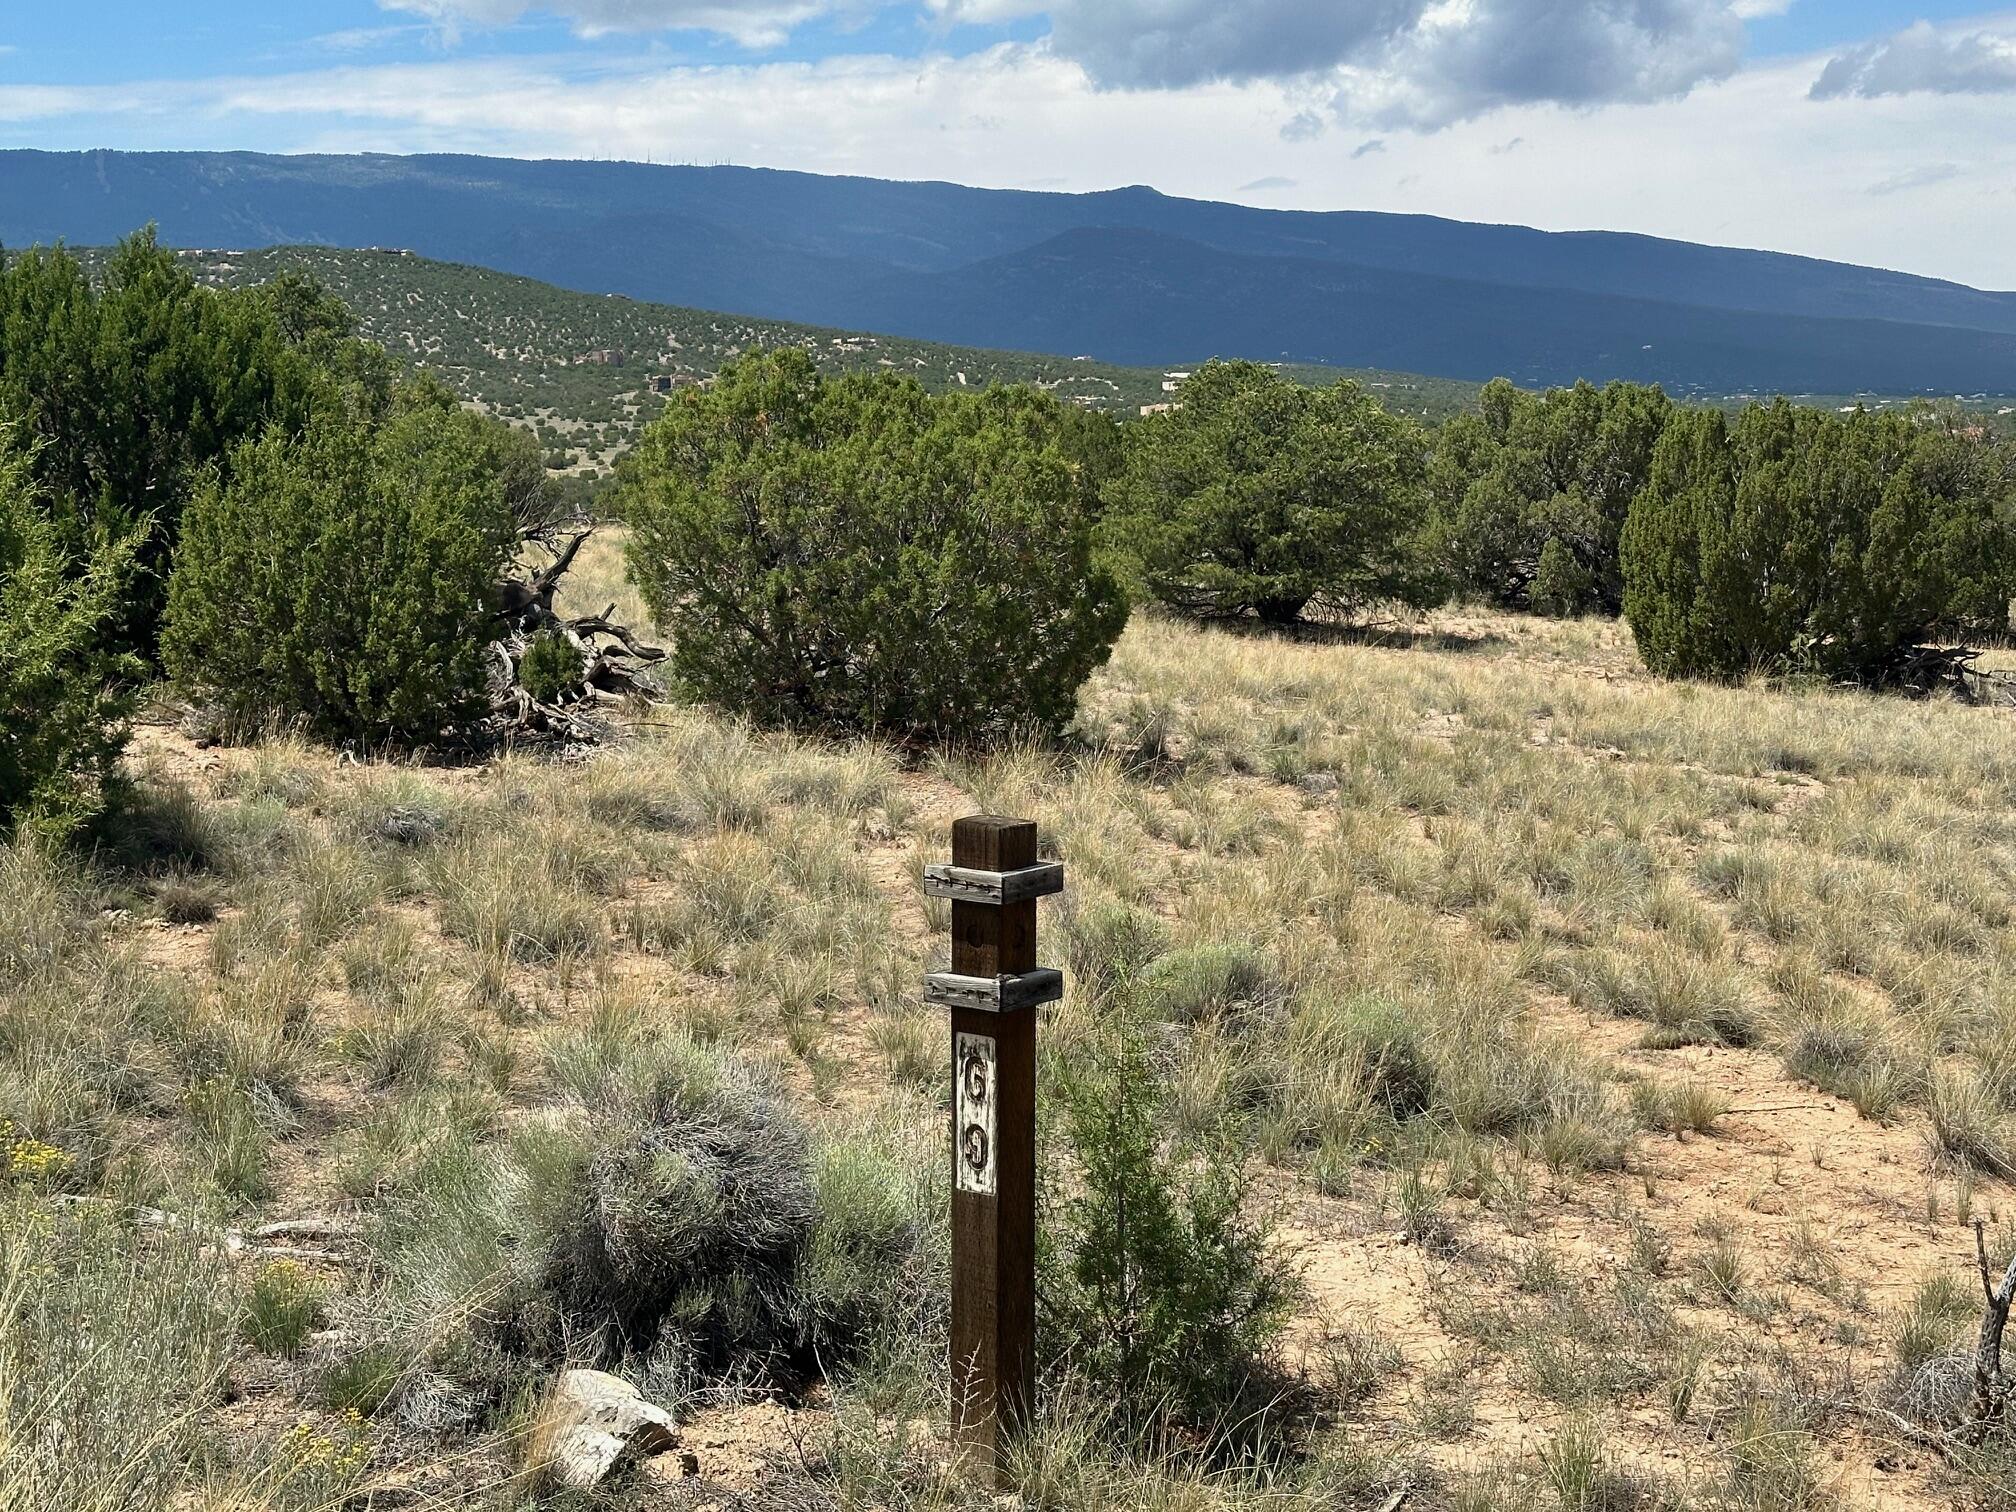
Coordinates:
(1303,126)
(1923,59)
(358,39)
(752,23)
(1162,44)
(1916,178)
(1686,167)
(1418,63)
(1389,64)
(1470,57)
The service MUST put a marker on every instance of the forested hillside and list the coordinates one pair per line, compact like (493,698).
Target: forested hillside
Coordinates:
(578,367)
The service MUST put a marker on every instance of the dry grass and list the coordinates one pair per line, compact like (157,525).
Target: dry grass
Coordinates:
(1484,946)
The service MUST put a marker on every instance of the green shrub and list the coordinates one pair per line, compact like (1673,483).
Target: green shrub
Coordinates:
(1212,981)
(1530,495)
(346,582)
(550,669)
(872,1274)
(679,1223)
(1561,584)
(1798,540)
(361,1382)
(136,381)
(61,711)
(1158,1287)
(1262,497)
(854,552)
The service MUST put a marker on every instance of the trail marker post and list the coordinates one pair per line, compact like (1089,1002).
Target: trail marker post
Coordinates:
(993,991)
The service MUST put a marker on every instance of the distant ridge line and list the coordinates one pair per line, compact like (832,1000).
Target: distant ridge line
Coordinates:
(1127,275)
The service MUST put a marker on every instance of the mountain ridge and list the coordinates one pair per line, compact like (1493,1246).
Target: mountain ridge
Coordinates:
(834,251)
(1314,311)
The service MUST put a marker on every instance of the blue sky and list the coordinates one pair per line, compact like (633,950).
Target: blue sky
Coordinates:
(122,40)
(1864,130)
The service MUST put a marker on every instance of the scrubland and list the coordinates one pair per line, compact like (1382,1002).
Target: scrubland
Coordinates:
(1622,1065)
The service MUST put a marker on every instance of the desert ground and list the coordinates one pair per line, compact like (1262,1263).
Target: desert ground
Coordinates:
(1692,1015)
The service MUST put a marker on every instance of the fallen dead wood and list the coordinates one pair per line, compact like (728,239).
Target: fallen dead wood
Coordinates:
(1949,671)
(613,661)
(237,1243)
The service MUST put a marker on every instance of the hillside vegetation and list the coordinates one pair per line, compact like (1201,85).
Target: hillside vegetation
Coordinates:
(524,350)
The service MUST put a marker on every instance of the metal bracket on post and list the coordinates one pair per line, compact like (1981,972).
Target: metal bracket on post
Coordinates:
(1001,994)
(965,884)
(992,990)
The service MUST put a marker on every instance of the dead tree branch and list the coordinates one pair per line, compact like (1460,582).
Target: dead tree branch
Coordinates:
(1991,1387)
(612,660)
(1991,1392)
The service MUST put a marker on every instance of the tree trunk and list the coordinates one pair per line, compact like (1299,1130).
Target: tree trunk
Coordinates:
(1281,612)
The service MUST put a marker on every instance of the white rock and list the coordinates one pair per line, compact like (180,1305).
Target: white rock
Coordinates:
(596,1422)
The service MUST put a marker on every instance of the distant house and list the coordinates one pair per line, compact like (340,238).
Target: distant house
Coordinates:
(1159,409)
(607,357)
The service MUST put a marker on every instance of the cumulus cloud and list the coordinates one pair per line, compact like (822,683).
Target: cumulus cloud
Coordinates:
(752,23)
(1165,44)
(1421,64)
(1272,181)
(1922,60)
(1401,63)
(1366,149)
(1466,60)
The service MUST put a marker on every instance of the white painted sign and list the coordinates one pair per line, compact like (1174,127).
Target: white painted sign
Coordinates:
(973,1057)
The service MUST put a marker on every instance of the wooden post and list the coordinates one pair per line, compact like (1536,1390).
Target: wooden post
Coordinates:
(993,990)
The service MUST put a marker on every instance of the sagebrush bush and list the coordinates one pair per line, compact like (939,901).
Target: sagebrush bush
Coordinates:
(345,582)
(679,1224)
(62,712)
(674,1210)
(846,552)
